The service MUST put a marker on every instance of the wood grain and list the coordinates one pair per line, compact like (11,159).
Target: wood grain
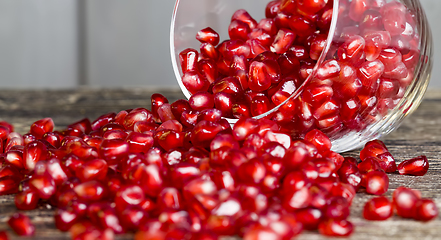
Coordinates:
(420,134)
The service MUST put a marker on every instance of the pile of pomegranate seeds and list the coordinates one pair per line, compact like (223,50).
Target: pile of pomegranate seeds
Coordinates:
(370,64)
(174,172)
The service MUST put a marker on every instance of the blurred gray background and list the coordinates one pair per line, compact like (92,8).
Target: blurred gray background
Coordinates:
(103,43)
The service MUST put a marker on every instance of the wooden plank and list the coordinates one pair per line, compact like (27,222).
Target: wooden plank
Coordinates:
(419,134)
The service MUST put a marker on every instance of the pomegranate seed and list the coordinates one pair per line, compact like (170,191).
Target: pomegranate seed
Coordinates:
(113,150)
(416,166)
(378,208)
(92,170)
(426,210)
(26,200)
(34,152)
(377,182)
(283,41)
(90,191)
(405,201)
(40,127)
(208,35)
(21,224)
(394,19)
(350,173)
(244,16)
(136,115)
(375,42)
(272,8)
(194,82)
(357,8)
(259,79)
(65,219)
(336,228)
(44,185)
(132,217)
(170,198)
(387,162)
(317,46)
(259,232)
(238,30)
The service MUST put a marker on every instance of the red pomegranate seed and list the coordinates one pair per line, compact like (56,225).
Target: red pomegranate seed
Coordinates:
(194,82)
(375,42)
(272,8)
(34,152)
(9,184)
(387,162)
(201,100)
(58,171)
(372,149)
(378,208)
(377,182)
(139,142)
(92,170)
(44,185)
(21,224)
(103,120)
(283,41)
(336,228)
(90,191)
(151,179)
(26,200)
(259,232)
(170,198)
(113,150)
(317,46)
(259,77)
(309,217)
(405,201)
(426,210)
(65,219)
(132,217)
(3,235)
(370,164)
(15,158)
(238,30)
(188,59)
(41,127)
(394,19)
(416,166)
(310,6)
(178,107)
(244,16)
(208,35)
(350,173)
(136,115)
(204,132)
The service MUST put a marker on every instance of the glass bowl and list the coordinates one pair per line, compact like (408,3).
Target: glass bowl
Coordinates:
(369,62)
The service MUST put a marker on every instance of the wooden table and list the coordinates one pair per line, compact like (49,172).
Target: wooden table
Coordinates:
(419,134)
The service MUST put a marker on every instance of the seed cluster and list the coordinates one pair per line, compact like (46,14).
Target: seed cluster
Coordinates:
(145,172)
(369,65)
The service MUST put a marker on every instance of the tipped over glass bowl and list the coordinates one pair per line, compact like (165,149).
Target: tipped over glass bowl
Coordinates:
(353,69)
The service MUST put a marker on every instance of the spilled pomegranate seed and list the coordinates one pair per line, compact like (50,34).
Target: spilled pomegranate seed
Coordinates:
(416,166)
(426,210)
(378,208)
(21,224)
